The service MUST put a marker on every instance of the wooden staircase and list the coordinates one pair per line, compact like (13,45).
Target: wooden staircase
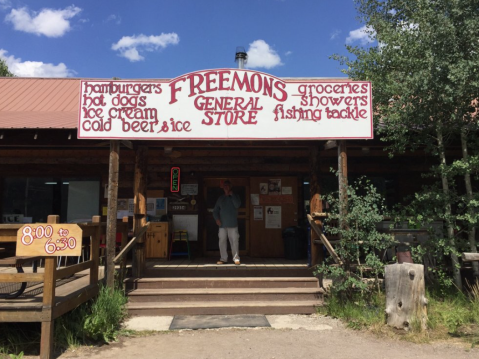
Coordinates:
(223,295)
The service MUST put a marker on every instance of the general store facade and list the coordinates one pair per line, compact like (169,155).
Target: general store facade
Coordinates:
(274,139)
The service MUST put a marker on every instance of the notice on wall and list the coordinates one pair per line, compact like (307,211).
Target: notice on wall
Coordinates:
(287,190)
(273,217)
(258,213)
(274,186)
(254,199)
(225,104)
(189,189)
(263,188)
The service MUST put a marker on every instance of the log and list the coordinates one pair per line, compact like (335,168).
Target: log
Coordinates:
(406,302)
(470,257)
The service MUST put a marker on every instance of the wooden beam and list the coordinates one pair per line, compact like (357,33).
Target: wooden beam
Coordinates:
(315,203)
(343,182)
(46,340)
(470,257)
(139,219)
(114,169)
(325,241)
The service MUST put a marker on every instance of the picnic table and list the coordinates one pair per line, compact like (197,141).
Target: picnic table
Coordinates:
(16,290)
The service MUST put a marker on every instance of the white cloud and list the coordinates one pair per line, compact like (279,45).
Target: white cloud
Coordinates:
(260,54)
(287,53)
(335,34)
(34,68)
(5,4)
(130,46)
(48,22)
(114,18)
(364,35)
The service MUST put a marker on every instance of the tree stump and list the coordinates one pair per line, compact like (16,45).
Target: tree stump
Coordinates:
(406,303)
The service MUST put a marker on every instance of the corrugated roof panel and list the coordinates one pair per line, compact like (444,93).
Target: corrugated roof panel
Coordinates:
(39,103)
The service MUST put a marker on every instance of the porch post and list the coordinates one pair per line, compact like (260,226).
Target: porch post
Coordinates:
(113,170)
(315,203)
(139,219)
(343,182)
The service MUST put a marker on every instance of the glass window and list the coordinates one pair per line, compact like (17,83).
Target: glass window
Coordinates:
(32,199)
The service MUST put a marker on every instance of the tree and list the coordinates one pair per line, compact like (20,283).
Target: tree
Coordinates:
(425,75)
(4,69)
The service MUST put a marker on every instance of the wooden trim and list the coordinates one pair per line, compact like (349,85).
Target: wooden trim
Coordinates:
(21,277)
(470,257)
(130,245)
(73,300)
(70,270)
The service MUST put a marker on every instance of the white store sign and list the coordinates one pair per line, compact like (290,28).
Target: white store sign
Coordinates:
(226,104)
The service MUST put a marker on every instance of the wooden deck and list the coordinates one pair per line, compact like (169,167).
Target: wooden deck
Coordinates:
(67,290)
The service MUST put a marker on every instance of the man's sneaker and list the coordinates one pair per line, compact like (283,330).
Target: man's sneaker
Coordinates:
(237,262)
(220,262)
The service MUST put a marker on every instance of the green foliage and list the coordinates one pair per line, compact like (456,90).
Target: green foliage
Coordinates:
(4,69)
(358,312)
(18,356)
(107,312)
(360,240)
(424,71)
(93,321)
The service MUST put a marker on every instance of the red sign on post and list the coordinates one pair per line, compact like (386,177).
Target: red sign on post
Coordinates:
(175,179)
(49,240)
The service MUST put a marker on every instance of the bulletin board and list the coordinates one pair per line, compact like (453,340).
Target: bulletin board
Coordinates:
(268,242)
(188,222)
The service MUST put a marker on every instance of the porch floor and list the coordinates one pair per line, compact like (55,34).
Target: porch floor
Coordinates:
(209,263)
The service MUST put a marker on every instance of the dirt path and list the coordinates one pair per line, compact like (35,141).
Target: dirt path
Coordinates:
(324,338)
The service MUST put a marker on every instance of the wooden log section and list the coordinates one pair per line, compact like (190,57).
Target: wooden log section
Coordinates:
(470,257)
(113,170)
(139,219)
(406,303)
(315,203)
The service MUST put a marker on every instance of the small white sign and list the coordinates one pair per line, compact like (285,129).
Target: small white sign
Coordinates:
(254,199)
(258,213)
(287,190)
(188,189)
(273,217)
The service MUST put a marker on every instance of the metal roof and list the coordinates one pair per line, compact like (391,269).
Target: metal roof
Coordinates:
(39,102)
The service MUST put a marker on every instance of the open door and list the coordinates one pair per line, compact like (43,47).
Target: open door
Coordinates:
(212,191)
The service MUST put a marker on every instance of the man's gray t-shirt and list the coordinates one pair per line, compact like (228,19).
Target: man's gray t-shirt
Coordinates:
(226,210)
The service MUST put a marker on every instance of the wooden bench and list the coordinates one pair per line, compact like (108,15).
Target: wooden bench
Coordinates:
(18,262)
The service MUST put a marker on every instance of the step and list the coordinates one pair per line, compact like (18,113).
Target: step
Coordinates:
(227,271)
(248,282)
(224,294)
(223,308)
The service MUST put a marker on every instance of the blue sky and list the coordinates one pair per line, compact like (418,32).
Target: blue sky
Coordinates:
(165,39)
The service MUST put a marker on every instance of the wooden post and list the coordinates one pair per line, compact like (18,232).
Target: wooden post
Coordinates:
(46,341)
(94,250)
(315,203)
(139,219)
(114,168)
(343,183)
(406,302)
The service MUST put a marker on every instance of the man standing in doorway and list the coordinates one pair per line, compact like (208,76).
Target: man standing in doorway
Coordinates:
(226,216)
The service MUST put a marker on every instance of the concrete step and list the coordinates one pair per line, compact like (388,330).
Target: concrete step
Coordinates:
(225,294)
(248,282)
(223,308)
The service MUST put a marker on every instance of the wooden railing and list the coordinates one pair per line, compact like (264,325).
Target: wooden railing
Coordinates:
(53,307)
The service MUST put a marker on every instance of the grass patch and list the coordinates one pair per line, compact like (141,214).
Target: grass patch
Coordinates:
(94,322)
(451,316)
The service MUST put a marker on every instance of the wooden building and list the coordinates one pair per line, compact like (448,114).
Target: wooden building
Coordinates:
(45,169)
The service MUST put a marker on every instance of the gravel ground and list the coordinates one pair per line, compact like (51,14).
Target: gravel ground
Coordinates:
(290,337)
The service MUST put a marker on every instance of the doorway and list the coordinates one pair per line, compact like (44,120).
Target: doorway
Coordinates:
(212,191)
